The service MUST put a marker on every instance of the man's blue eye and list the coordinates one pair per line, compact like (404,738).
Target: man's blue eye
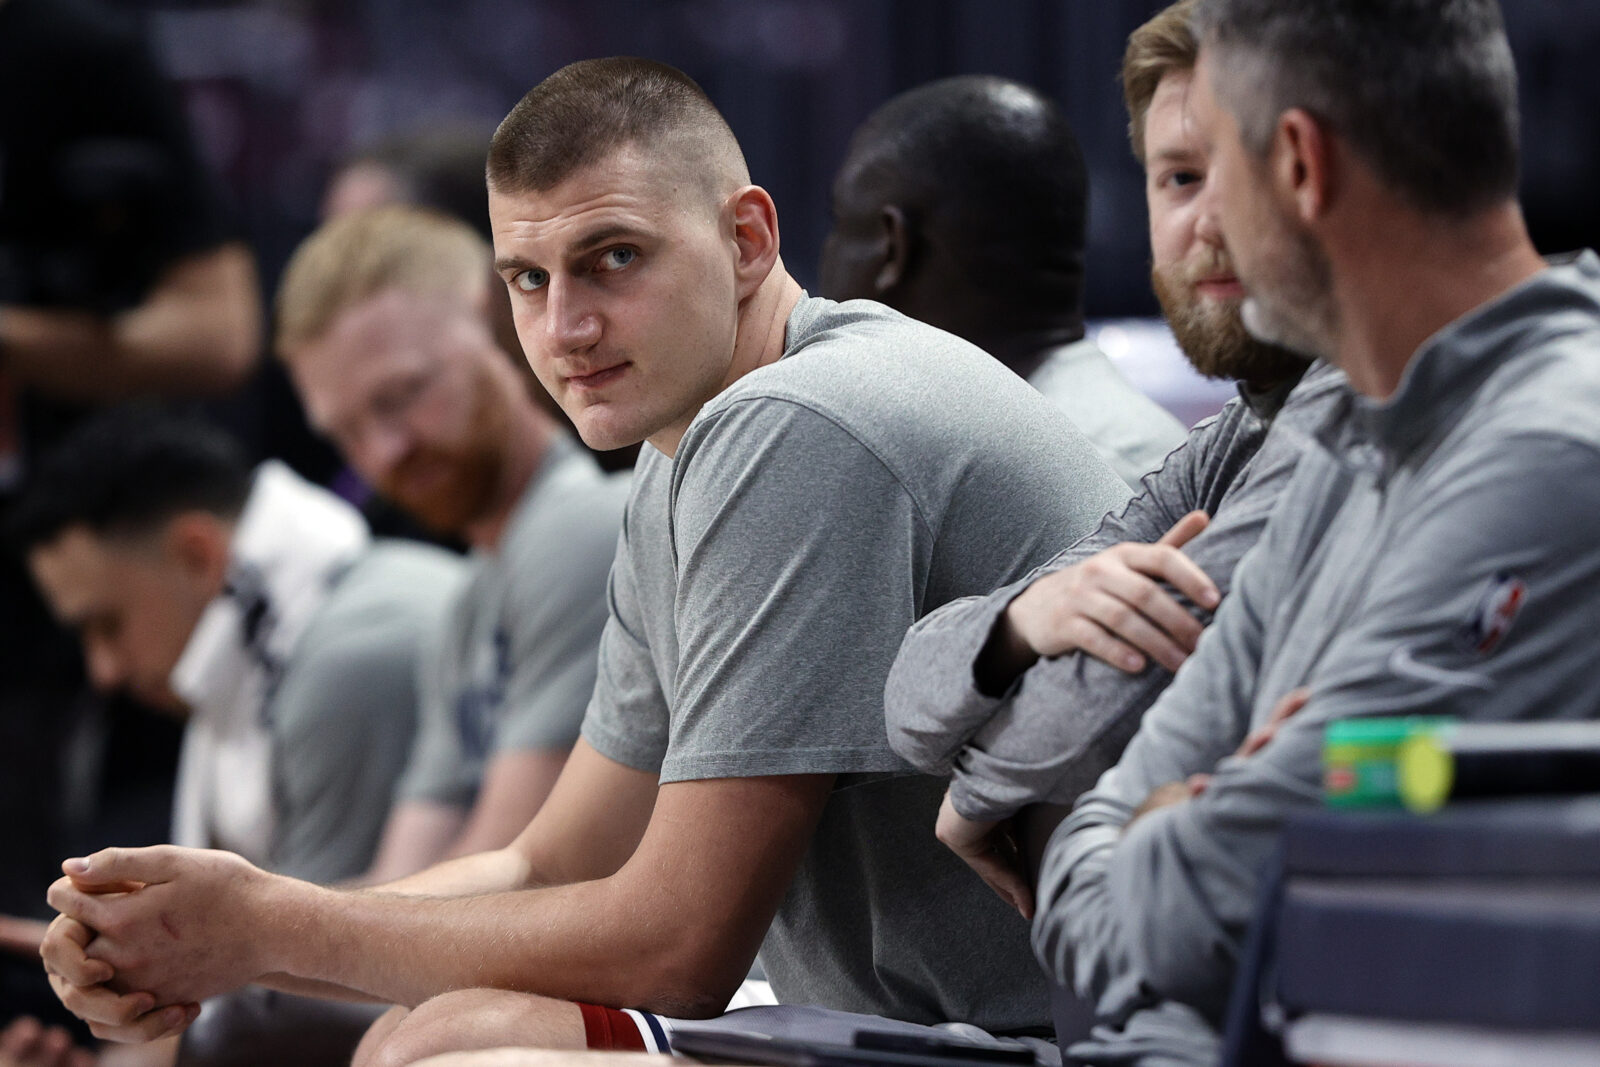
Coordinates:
(530,280)
(617,257)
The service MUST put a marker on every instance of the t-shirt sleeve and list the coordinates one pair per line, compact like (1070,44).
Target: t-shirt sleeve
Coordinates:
(440,770)
(795,550)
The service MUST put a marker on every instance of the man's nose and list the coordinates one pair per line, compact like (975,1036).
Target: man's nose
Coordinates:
(1207,227)
(571,321)
(384,443)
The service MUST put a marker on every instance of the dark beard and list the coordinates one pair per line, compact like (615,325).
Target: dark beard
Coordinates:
(1216,342)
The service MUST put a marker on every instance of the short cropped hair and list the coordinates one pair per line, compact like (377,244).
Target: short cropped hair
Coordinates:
(996,167)
(1424,90)
(587,110)
(364,253)
(1164,44)
(127,471)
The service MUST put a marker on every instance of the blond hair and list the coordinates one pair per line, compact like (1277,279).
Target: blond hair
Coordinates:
(1164,44)
(362,254)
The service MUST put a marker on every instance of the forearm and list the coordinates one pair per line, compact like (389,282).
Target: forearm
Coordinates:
(501,870)
(199,332)
(589,941)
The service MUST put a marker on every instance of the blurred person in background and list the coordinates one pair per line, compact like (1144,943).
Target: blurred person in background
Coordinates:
(964,203)
(386,323)
(257,607)
(120,276)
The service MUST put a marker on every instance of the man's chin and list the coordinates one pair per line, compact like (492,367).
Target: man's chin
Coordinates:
(599,427)
(1269,328)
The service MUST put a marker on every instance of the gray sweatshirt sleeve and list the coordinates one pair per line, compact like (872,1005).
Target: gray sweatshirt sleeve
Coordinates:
(1028,742)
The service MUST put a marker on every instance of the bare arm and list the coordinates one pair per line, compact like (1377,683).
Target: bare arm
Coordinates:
(671,924)
(514,786)
(674,929)
(197,331)
(572,839)
(416,834)
(422,832)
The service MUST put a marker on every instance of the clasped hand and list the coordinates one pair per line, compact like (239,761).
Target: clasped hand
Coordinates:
(145,934)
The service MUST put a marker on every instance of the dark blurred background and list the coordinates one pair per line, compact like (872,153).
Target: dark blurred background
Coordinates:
(279,89)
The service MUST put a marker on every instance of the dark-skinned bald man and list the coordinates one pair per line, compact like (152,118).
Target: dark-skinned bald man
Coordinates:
(963,203)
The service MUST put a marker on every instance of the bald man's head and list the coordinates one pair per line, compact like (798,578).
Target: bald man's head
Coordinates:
(963,192)
(587,111)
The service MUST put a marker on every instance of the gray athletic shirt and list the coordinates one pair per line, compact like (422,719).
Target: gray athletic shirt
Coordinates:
(513,667)
(345,710)
(1132,432)
(1066,719)
(1434,554)
(763,581)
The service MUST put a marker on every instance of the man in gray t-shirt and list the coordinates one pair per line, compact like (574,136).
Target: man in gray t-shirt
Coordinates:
(767,574)
(818,476)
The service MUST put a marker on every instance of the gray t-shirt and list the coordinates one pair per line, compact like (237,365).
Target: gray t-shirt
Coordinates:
(514,664)
(1132,432)
(344,712)
(763,582)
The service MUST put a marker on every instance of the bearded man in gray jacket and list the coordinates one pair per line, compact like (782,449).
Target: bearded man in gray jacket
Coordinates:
(1432,553)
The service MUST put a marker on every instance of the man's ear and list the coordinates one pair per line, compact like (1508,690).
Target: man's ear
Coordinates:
(1304,169)
(199,543)
(755,233)
(896,250)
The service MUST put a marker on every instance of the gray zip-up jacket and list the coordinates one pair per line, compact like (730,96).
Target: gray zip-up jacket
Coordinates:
(1067,719)
(1436,554)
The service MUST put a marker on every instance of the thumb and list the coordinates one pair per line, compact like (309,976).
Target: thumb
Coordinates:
(118,870)
(1185,529)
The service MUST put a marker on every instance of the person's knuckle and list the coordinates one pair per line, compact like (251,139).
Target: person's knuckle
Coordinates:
(1118,615)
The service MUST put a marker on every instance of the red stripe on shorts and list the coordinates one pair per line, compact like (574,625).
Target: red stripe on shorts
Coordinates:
(608,1028)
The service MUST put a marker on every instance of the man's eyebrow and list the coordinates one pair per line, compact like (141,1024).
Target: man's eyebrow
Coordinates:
(1176,155)
(505,263)
(583,244)
(600,237)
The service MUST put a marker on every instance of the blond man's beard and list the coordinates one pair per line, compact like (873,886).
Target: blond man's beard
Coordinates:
(1211,333)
